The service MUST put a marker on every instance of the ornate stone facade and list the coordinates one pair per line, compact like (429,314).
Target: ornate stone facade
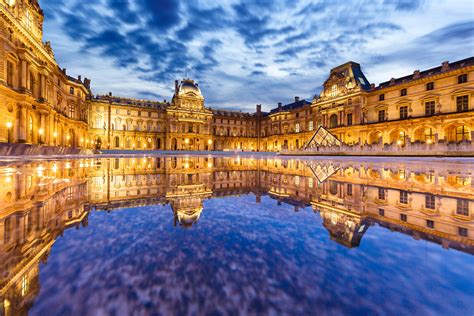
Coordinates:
(41,104)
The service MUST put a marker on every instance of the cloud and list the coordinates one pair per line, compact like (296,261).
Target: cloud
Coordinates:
(246,52)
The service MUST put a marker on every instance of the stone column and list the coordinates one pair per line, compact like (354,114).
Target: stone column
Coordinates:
(42,93)
(23,76)
(21,124)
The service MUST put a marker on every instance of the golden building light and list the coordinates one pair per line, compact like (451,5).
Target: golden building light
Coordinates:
(9,124)
(41,132)
(55,134)
(209,141)
(186,141)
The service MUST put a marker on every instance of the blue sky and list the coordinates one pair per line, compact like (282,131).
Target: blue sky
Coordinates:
(248,52)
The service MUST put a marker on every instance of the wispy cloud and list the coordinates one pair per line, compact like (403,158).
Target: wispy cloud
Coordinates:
(247,52)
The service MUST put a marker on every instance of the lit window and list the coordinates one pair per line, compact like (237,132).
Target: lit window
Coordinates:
(297,127)
(310,182)
(28,19)
(310,126)
(297,180)
(334,90)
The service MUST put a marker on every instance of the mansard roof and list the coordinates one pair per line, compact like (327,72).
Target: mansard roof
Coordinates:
(446,66)
(291,106)
(131,102)
(355,71)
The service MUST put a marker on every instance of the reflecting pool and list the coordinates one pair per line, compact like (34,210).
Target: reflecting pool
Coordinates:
(236,235)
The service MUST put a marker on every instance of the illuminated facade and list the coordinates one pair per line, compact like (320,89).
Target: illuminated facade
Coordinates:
(39,102)
(429,110)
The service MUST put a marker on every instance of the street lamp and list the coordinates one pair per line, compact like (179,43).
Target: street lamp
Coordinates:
(9,127)
(41,132)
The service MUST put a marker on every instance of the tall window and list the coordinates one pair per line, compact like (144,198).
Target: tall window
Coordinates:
(29,21)
(462,78)
(71,110)
(117,142)
(462,103)
(430,108)
(381,115)
(403,112)
(334,90)
(71,90)
(404,197)
(430,201)
(430,86)
(349,189)
(462,133)
(462,207)
(7,230)
(429,135)
(349,119)
(10,73)
(310,126)
(297,127)
(381,194)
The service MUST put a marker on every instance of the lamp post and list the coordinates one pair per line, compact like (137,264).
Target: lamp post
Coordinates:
(41,132)
(9,128)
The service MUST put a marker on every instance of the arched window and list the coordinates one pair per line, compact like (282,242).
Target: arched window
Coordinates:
(127,142)
(333,121)
(333,187)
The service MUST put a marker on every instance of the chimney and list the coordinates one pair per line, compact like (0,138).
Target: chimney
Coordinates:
(79,78)
(445,66)
(416,74)
(176,85)
(297,99)
(87,83)
(372,86)
(259,109)
(64,70)
(279,105)
(110,94)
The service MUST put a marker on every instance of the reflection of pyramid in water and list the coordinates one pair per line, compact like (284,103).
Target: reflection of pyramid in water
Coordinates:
(321,171)
(322,138)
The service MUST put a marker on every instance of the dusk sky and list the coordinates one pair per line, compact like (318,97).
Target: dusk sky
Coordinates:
(248,52)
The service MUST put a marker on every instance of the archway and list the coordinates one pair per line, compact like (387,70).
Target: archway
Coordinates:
(333,121)
(174,144)
(458,133)
(424,134)
(374,137)
(398,136)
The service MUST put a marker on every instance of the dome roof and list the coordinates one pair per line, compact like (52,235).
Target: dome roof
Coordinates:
(187,86)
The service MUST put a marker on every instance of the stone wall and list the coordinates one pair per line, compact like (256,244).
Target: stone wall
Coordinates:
(11,150)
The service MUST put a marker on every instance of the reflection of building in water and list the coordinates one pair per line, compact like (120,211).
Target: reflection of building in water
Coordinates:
(41,200)
(422,199)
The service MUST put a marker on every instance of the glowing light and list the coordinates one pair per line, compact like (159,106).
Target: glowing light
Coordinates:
(55,134)
(399,142)
(39,171)
(68,137)
(82,140)
(429,141)
(209,164)
(9,124)
(186,141)
(68,165)
(8,179)
(54,168)
(186,165)
(41,131)
(209,141)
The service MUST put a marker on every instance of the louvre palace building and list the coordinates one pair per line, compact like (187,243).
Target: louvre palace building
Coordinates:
(40,104)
